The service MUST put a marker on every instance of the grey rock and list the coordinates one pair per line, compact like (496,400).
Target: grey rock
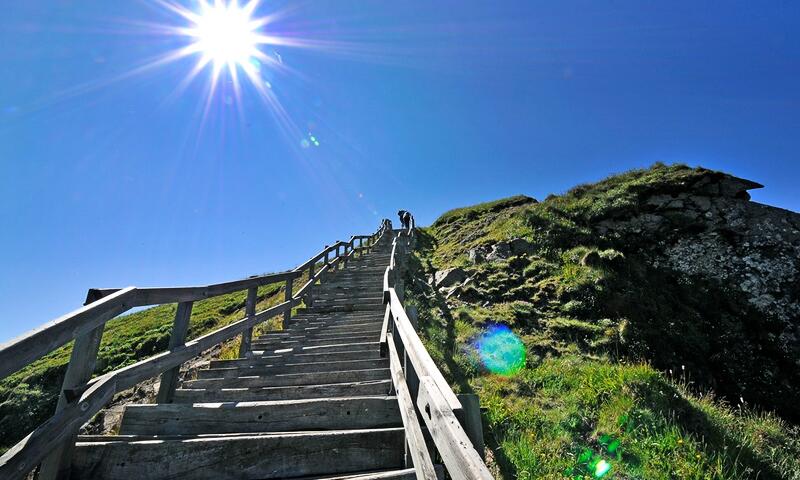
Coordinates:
(476,256)
(500,251)
(450,277)
(520,246)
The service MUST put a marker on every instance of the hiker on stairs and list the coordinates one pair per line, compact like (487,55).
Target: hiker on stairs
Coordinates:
(405,218)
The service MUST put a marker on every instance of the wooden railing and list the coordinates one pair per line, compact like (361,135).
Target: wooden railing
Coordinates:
(421,389)
(82,396)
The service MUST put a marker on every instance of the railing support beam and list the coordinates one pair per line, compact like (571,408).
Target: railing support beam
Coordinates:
(471,408)
(79,371)
(169,379)
(250,312)
(287,297)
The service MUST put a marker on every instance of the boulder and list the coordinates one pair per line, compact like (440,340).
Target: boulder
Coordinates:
(500,251)
(520,246)
(476,256)
(450,277)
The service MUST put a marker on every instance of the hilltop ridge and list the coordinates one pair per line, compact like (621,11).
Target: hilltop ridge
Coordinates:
(666,279)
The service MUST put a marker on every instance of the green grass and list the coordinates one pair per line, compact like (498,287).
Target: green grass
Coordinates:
(603,328)
(28,397)
(577,410)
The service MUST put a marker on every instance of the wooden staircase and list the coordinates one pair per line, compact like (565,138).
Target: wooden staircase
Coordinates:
(310,400)
(325,397)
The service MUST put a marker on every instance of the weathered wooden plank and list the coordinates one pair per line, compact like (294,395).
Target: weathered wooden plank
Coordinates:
(343,347)
(419,356)
(291,379)
(131,375)
(169,379)
(319,338)
(387,274)
(345,308)
(460,458)
(385,330)
(268,416)
(242,457)
(345,389)
(297,358)
(32,345)
(307,286)
(156,296)
(264,370)
(287,315)
(79,371)
(321,334)
(423,466)
(250,312)
(28,452)
(473,426)
(405,474)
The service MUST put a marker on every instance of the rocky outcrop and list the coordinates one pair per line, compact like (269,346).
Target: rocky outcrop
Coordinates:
(711,229)
(449,277)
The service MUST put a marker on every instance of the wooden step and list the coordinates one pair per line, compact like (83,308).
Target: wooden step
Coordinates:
(249,456)
(405,474)
(324,330)
(343,413)
(297,358)
(345,308)
(317,367)
(320,332)
(345,389)
(290,379)
(342,347)
(310,342)
(342,294)
(346,302)
(331,318)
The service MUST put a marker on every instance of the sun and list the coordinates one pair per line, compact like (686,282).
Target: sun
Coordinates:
(225,34)
(235,42)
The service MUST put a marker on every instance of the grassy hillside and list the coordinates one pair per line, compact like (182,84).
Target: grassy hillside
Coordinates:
(28,397)
(613,357)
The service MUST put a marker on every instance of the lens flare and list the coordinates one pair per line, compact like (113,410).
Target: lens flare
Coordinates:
(500,350)
(601,468)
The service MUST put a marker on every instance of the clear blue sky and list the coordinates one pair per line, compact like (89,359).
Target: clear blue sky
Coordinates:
(110,175)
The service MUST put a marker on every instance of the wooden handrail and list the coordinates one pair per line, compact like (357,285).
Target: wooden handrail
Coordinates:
(30,346)
(33,345)
(418,354)
(416,441)
(459,456)
(108,303)
(436,402)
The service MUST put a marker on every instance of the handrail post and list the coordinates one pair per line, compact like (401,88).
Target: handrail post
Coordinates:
(180,327)
(287,297)
(471,421)
(250,311)
(309,299)
(79,371)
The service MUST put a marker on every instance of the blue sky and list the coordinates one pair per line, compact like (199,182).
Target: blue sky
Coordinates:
(111,175)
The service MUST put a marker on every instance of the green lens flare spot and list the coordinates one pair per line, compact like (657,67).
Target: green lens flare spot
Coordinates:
(601,468)
(500,350)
